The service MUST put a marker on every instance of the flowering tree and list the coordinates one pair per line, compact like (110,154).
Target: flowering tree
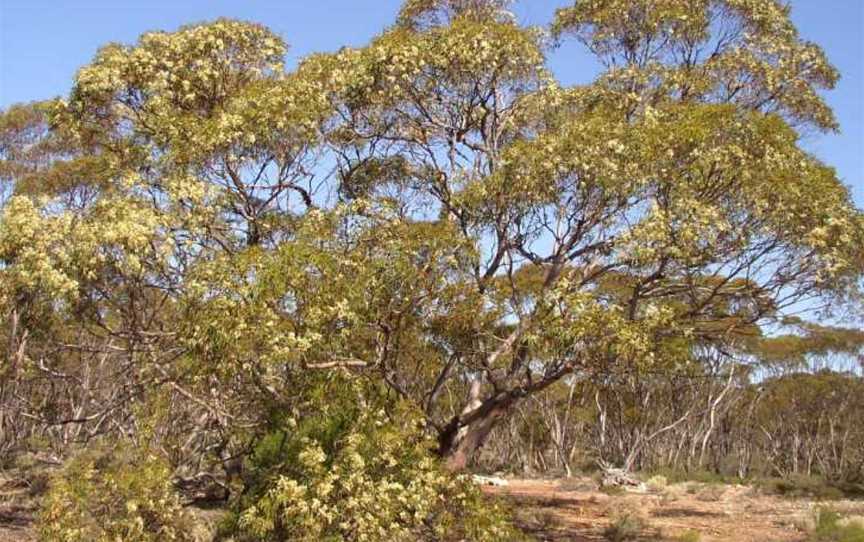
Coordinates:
(197,228)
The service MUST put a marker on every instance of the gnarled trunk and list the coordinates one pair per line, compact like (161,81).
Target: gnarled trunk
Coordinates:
(466,433)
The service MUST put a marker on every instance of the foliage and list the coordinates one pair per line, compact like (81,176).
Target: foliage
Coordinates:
(350,474)
(685,49)
(813,487)
(830,528)
(197,232)
(657,482)
(689,536)
(701,476)
(103,495)
(625,527)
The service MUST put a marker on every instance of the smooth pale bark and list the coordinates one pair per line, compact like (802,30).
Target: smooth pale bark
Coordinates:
(466,433)
(460,440)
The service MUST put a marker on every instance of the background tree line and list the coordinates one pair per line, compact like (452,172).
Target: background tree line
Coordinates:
(793,411)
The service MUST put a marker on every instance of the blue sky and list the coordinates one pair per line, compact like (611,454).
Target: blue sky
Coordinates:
(42,43)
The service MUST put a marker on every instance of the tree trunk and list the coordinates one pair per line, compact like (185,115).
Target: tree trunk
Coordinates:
(465,434)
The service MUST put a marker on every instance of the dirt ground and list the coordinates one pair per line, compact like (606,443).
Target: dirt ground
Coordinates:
(574,510)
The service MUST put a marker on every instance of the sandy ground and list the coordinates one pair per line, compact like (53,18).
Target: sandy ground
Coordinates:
(574,510)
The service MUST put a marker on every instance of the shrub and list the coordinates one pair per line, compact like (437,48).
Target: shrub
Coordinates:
(354,475)
(829,527)
(689,536)
(797,486)
(852,521)
(122,494)
(624,527)
(677,476)
(657,483)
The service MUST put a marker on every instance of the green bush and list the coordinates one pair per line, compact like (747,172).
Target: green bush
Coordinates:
(109,495)
(353,474)
(677,476)
(624,527)
(829,527)
(689,536)
(798,486)
(657,483)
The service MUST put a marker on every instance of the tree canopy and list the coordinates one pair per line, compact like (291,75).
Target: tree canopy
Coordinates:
(198,229)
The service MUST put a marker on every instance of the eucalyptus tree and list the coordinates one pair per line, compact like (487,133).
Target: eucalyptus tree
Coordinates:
(433,211)
(182,149)
(677,174)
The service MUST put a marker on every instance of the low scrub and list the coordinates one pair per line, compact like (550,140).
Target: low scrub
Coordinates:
(627,524)
(677,476)
(657,483)
(106,495)
(355,475)
(624,527)
(831,527)
(812,487)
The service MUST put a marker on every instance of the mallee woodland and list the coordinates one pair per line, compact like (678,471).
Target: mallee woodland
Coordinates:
(318,299)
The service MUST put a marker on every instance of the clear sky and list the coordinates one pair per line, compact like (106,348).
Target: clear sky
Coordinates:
(43,42)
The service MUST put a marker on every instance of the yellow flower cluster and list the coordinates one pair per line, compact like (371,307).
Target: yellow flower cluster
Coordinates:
(121,494)
(379,484)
